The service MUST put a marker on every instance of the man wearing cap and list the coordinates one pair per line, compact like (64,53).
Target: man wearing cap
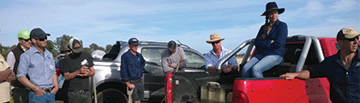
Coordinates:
(6,76)
(38,64)
(342,69)
(20,92)
(213,56)
(132,66)
(77,68)
(173,58)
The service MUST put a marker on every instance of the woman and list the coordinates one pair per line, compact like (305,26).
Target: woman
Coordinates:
(270,43)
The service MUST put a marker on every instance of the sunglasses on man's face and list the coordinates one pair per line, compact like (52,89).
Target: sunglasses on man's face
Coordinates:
(353,39)
(215,42)
(25,40)
(41,39)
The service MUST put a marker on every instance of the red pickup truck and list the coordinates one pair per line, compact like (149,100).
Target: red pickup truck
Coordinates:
(302,52)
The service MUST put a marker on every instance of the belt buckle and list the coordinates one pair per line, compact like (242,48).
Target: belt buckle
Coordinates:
(81,91)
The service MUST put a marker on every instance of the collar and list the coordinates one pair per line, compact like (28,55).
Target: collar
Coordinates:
(356,58)
(277,22)
(34,50)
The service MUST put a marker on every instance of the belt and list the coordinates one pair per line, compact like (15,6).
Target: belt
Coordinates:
(46,89)
(137,81)
(79,91)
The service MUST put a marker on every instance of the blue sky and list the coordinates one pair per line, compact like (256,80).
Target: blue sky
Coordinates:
(190,21)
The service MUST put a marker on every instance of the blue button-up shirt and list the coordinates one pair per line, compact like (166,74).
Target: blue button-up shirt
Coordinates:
(39,67)
(210,58)
(131,66)
(278,33)
(344,84)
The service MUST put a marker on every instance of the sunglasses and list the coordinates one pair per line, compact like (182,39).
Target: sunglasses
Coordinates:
(353,39)
(215,42)
(42,39)
(25,40)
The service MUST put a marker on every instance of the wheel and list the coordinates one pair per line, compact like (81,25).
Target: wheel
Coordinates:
(111,96)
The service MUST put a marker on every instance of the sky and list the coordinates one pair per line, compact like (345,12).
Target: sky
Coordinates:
(189,21)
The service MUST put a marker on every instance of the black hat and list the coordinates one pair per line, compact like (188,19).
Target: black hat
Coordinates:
(270,6)
(75,45)
(38,33)
(133,41)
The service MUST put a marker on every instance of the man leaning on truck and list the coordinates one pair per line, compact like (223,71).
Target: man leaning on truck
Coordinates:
(342,69)
(132,66)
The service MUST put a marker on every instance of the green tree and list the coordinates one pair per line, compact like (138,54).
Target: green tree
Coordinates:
(50,46)
(94,47)
(108,47)
(62,41)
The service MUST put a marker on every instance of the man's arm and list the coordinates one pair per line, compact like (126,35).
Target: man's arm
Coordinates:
(69,76)
(305,74)
(23,80)
(4,74)
(11,77)
(165,64)
(55,82)
(208,63)
(182,62)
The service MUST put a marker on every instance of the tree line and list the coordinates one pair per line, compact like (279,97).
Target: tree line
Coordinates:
(54,46)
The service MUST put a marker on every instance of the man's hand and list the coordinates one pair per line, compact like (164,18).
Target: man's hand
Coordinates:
(131,86)
(181,59)
(290,75)
(11,77)
(54,90)
(170,65)
(38,91)
(84,70)
(211,69)
(226,69)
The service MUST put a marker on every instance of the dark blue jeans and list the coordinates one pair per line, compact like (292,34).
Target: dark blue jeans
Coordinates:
(45,98)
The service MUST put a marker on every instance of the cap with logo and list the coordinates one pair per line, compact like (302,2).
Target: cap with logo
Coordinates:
(133,41)
(24,34)
(75,45)
(38,33)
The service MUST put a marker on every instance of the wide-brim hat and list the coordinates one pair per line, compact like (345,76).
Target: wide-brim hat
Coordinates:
(214,38)
(271,6)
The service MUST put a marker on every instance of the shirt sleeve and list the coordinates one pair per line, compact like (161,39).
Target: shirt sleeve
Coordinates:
(261,44)
(11,60)
(317,70)
(182,54)
(124,68)
(281,37)
(23,66)
(207,60)
(64,65)
(164,63)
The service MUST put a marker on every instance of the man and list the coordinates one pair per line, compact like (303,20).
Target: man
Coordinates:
(212,57)
(78,68)
(173,58)
(20,92)
(342,69)
(6,76)
(132,66)
(38,64)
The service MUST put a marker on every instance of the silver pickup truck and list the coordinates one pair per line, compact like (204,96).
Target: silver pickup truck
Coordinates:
(110,88)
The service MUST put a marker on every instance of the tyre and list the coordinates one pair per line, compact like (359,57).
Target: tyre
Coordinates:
(111,96)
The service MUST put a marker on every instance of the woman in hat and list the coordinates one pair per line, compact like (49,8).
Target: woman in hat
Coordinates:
(270,43)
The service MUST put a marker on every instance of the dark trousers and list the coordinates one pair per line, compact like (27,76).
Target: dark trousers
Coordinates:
(79,96)
(138,93)
(20,95)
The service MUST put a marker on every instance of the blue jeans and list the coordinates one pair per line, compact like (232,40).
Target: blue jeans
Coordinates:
(255,67)
(45,98)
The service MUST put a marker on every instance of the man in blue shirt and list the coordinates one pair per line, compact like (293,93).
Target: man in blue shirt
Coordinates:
(212,57)
(342,69)
(38,64)
(132,66)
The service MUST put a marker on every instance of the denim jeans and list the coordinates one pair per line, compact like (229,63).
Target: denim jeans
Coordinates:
(45,98)
(255,67)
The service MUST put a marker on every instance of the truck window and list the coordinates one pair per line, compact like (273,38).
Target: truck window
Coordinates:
(152,55)
(193,60)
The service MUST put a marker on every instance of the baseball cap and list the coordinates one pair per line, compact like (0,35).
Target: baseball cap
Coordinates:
(347,33)
(38,33)
(24,34)
(75,45)
(133,41)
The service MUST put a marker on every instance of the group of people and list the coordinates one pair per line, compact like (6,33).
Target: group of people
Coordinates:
(31,72)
